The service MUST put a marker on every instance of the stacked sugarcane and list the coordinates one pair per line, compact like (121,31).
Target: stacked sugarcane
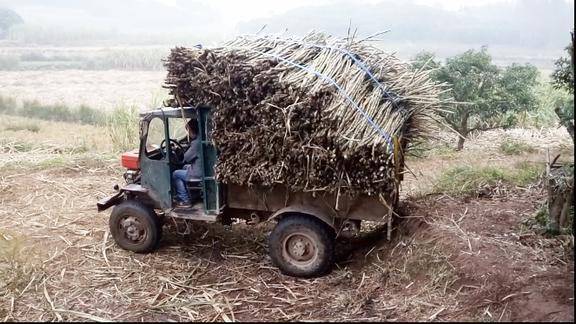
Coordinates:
(313,114)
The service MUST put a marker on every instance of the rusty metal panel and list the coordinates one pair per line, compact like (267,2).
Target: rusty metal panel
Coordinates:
(271,200)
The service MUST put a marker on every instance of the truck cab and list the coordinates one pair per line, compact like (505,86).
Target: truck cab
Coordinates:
(302,241)
(163,142)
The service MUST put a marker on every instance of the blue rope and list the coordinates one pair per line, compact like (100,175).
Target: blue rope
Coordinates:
(394,98)
(324,77)
(387,94)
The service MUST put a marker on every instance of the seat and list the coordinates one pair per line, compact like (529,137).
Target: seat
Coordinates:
(194,185)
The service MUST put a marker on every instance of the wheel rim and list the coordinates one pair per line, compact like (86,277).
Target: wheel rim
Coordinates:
(133,231)
(299,249)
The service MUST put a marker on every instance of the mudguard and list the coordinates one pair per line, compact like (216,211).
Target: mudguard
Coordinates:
(110,201)
(117,198)
(322,215)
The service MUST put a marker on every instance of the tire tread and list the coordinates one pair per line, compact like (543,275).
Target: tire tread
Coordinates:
(326,236)
(132,206)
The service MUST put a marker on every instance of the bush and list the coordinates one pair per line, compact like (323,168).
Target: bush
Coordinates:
(526,173)
(9,62)
(34,56)
(36,34)
(515,147)
(7,146)
(87,115)
(130,59)
(46,112)
(123,128)
(17,264)
(122,123)
(466,180)
(541,221)
(431,149)
(7,105)
(548,98)
(58,112)
(27,109)
(25,126)
(542,218)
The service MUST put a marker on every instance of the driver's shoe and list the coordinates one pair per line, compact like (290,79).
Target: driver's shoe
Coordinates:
(183,204)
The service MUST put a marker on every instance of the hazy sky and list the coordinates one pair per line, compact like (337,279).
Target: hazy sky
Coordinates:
(534,24)
(236,11)
(228,13)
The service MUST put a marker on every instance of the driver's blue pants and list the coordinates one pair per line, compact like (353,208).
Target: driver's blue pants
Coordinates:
(179,180)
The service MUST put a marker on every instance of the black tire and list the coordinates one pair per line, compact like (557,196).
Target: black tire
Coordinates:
(135,227)
(302,246)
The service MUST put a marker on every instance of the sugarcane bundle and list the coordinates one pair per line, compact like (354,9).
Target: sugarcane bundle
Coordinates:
(312,114)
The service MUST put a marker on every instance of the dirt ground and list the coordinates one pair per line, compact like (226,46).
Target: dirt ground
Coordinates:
(470,259)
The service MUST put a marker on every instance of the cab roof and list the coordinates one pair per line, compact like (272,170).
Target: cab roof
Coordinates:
(169,112)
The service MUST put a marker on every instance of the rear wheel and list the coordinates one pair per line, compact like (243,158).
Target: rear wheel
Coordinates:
(135,227)
(302,246)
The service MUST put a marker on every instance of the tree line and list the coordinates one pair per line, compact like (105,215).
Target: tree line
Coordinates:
(484,96)
(8,19)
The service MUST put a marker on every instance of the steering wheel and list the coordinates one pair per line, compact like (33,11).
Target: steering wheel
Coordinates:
(178,154)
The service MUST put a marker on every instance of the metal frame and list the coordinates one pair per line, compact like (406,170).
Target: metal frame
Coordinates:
(162,201)
(211,188)
(153,171)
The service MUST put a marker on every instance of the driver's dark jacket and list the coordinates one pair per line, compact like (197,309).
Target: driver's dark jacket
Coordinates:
(191,160)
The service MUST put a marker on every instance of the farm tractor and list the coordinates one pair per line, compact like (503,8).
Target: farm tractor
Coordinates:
(301,243)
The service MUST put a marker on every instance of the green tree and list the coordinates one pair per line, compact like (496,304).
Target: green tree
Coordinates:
(425,60)
(516,91)
(484,96)
(563,78)
(8,18)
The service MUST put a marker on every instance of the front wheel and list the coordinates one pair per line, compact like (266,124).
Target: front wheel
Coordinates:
(302,246)
(135,227)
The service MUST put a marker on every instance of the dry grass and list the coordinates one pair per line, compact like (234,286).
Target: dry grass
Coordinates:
(515,147)
(50,136)
(18,270)
(97,89)
(215,274)
(482,151)
(449,259)
(123,128)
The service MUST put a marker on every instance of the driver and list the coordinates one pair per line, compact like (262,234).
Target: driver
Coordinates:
(190,170)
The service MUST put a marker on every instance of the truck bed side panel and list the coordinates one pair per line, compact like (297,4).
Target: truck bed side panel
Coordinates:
(271,200)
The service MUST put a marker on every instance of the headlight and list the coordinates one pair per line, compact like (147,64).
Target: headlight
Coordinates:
(130,176)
